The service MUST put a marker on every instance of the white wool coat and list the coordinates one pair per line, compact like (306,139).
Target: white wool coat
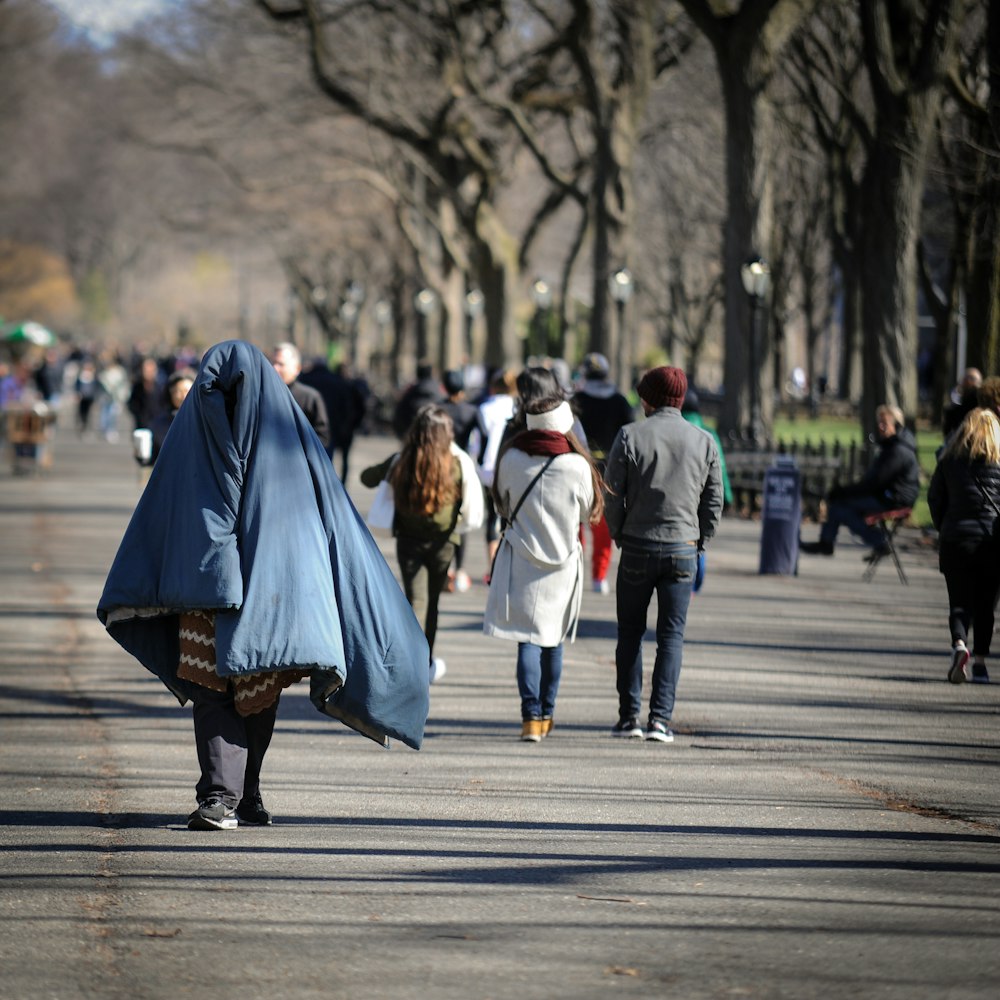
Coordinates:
(537,581)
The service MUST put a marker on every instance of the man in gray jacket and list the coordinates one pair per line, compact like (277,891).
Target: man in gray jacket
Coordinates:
(664,501)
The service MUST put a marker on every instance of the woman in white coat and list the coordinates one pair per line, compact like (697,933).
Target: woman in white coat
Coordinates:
(545,485)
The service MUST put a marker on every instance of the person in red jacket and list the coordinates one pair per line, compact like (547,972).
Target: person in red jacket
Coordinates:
(603,411)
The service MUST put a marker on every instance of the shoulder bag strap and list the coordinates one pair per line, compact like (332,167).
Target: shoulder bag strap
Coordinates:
(531,486)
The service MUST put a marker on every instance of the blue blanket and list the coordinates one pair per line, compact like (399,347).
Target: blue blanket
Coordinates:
(243,515)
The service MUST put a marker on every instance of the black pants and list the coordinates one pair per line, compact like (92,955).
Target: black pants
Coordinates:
(423,565)
(973,581)
(230,747)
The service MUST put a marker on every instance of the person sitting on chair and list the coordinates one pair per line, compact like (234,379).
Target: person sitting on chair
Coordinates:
(891,482)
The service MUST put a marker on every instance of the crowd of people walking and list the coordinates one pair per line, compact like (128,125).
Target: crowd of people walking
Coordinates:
(538,466)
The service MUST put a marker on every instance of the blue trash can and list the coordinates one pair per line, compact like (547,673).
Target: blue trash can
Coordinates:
(781,519)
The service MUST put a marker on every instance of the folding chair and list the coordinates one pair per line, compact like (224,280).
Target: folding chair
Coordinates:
(889,522)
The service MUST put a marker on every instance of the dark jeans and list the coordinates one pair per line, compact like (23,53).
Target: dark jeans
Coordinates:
(666,568)
(973,581)
(851,512)
(230,747)
(423,565)
(538,671)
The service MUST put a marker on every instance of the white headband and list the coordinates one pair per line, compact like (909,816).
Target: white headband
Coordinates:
(560,419)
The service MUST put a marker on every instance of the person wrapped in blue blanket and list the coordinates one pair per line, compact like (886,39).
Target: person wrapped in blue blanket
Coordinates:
(246,568)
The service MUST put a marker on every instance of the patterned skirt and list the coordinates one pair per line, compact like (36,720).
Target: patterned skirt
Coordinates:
(251,692)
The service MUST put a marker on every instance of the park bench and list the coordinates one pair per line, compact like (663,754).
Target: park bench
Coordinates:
(820,470)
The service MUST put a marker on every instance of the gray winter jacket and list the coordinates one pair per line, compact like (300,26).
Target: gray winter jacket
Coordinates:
(663,481)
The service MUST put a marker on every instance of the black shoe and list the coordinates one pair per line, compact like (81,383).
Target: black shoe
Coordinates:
(816,548)
(627,728)
(879,552)
(251,811)
(980,675)
(212,814)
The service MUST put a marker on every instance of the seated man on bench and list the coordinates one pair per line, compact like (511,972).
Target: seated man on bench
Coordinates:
(892,481)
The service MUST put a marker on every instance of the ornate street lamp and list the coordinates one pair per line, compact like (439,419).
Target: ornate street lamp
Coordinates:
(475,302)
(350,313)
(538,342)
(756,277)
(424,302)
(621,285)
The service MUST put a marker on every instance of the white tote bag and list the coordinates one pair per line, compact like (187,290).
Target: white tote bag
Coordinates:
(383,509)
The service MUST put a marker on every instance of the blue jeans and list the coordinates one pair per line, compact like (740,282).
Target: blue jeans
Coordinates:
(538,671)
(851,512)
(667,568)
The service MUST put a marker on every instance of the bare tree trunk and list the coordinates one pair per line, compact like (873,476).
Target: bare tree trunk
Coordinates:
(906,70)
(749,129)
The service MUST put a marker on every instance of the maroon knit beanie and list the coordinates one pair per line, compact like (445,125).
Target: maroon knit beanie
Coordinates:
(663,386)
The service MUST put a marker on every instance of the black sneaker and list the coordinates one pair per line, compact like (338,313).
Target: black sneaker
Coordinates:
(816,548)
(628,729)
(980,675)
(251,811)
(659,732)
(212,814)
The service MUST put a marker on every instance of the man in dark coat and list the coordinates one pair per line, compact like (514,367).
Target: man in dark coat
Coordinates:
(891,482)
(287,362)
(425,390)
(346,400)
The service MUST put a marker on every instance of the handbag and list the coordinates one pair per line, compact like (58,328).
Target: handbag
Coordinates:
(382,514)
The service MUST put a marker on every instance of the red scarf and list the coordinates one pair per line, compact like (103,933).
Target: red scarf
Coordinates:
(541,443)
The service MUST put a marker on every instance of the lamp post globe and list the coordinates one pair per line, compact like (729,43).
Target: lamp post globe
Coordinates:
(621,285)
(424,302)
(756,277)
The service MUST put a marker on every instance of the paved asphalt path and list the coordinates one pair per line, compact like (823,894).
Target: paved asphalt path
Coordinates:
(826,824)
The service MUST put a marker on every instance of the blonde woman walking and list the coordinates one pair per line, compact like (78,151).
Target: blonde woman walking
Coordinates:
(964,500)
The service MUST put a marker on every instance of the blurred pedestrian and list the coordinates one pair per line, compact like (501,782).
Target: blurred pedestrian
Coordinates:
(465,418)
(178,386)
(603,412)
(663,503)
(87,390)
(964,501)
(545,486)
(115,387)
(287,362)
(691,412)
(426,389)
(146,402)
(496,410)
(346,401)
(962,399)
(246,568)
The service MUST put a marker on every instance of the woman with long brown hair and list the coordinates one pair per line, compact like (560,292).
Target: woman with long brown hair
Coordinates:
(435,492)
(546,485)
(964,500)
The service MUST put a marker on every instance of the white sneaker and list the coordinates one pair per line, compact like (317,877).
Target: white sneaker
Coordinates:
(438,669)
(602,587)
(462,581)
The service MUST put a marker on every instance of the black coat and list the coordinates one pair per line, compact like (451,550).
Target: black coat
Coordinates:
(964,498)
(893,478)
